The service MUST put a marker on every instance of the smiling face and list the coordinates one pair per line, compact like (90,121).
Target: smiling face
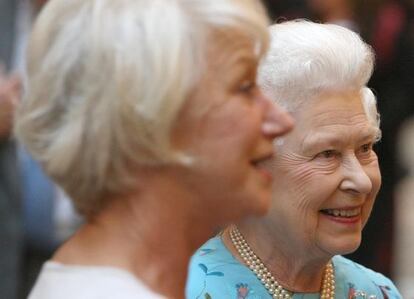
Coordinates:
(230,134)
(327,177)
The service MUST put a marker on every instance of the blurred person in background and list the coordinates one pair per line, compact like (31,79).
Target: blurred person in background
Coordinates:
(339,12)
(11,232)
(393,39)
(286,10)
(11,228)
(326,179)
(391,33)
(155,129)
(403,269)
(41,214)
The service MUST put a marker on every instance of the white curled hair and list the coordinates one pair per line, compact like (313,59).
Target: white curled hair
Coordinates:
(106,80)
(306,59)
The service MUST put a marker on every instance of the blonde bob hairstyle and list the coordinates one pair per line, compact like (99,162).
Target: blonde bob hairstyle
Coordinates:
(106,80)
(306,59)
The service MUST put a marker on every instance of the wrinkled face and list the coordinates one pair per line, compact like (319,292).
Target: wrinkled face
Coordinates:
(327,177)
(228,126)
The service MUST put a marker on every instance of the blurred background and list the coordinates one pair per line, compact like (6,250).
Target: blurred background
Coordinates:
(36,216)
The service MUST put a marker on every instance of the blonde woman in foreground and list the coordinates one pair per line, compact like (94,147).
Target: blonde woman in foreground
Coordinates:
(147,114)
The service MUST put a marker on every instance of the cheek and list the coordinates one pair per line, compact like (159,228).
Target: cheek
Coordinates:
(375,176)
(311,184)
(373,171)
(235,132)
(248,129)
(367,209)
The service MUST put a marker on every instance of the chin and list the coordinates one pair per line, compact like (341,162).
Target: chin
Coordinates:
(349,247)
(344,246)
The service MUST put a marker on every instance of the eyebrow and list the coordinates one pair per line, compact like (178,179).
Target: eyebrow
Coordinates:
(240,68)
(330,139)
(244,64)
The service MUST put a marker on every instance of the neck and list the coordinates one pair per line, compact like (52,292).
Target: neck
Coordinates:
(293,268)
(152,236)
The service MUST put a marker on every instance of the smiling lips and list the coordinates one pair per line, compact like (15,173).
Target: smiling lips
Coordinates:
(343,212)
(346,215)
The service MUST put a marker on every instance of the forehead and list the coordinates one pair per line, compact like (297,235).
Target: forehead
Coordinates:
(340,108)
(229,51)
(333,118)
(230,59)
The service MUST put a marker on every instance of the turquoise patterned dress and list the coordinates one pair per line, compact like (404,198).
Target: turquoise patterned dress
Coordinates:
(215,273)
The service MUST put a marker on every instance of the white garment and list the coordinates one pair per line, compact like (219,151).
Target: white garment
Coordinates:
(58,281)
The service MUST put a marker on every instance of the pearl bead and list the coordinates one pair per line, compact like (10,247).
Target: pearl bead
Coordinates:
(265,276)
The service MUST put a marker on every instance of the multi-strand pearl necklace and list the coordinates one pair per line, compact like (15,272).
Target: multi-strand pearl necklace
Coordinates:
(265,276)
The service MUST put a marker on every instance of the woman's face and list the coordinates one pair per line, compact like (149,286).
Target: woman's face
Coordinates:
(228,126)
(327,177)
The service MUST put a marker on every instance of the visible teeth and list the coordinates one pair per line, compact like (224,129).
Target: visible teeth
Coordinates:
(343,213)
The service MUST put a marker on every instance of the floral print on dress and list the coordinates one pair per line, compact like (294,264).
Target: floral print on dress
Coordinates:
(207,273)
(242,290)
(356,294)
(205,251)
(384,291)
(351,291)
(216,274)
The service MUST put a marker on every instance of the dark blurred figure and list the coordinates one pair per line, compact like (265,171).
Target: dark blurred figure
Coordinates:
(340,12)
(11,233)
(26,194)
(286,10)
(41,201)
(393,40)
(11,240)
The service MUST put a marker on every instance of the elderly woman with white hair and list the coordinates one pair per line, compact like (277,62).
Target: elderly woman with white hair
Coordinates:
(326,179)
(146,112)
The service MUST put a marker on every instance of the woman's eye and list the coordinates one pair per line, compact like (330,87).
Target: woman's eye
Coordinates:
(247,87)
(327,154)
(366,148)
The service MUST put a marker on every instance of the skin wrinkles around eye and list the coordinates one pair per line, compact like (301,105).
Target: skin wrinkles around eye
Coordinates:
(301,167)
(366,148)
(327,144)
(366,154)
(301,173)
(325,155)
(328,155)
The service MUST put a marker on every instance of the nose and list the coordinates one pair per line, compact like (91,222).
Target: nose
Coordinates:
(356,180)
(277,121)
